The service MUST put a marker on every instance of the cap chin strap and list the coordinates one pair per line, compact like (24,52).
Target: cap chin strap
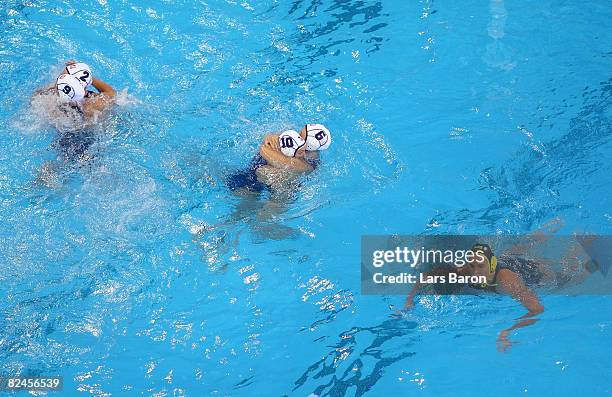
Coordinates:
(492,270)
(298,148)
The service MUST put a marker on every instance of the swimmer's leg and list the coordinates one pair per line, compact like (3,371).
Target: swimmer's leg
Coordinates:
(49,175)
(540,236)
(574,270)
(246,208)
(283,184)
(75,146)
(272,231)
(271,210)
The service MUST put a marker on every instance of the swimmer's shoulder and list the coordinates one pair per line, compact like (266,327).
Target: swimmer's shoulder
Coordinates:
(507,280)
(312,155)
(96,103)
(48,90)
(313,159)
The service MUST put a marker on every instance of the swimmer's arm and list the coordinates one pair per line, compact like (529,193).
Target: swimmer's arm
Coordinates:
(271,140)
(512,284)
(409,303)
(103,87)
(102,101)
(279,160)
(43,90)
(503,342)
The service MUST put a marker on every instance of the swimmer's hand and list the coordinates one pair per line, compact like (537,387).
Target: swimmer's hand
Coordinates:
(397,313)
(271,140)
(101,102)
(503,342)
(409,304)
(278,160)
(70,62)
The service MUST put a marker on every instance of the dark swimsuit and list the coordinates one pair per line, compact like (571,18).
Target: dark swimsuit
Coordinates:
(74,144)
(528,270)
(247,178)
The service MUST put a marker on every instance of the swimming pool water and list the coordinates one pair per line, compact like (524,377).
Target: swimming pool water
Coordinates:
(139,273)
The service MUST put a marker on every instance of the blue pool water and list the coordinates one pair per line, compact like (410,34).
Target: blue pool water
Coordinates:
(139,273)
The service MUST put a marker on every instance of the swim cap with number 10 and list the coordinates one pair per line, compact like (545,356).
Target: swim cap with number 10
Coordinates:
(290,142)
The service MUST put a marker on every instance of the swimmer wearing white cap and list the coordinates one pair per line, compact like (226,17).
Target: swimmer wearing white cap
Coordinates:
(73,89)
(282,158)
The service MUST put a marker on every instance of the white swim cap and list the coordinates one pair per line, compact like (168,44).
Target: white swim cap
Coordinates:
(290,141)
(69,88)
(317,137)
(81,71)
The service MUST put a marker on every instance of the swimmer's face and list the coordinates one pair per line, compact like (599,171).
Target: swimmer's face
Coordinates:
(479,267)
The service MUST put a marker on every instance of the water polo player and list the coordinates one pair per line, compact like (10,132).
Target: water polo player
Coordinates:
(74,109)
(73,96)
(282,159)
(509,275)
(513,275)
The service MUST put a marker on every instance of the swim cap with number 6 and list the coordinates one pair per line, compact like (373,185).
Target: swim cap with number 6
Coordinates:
(317,137)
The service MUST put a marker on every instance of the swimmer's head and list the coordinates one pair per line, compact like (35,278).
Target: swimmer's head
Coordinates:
(318,137)
(70,89)
(81,71)
(291,143)
(484,262)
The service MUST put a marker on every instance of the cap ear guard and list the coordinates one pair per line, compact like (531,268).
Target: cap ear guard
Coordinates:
(492,264)
(488,254)
(290,142)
